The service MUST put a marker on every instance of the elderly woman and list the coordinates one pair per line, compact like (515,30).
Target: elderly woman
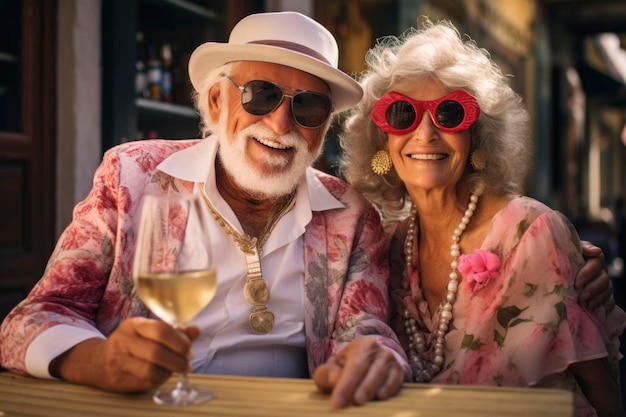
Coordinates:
(482,278)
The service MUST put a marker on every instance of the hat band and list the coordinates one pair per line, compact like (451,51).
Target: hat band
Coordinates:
(296,48)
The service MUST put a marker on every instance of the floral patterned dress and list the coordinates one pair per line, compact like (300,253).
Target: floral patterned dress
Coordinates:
(520,322)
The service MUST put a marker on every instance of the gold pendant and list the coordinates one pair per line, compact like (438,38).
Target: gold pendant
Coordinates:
(261,322)
(257,291)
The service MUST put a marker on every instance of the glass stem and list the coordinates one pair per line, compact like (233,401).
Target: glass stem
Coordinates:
(183,392)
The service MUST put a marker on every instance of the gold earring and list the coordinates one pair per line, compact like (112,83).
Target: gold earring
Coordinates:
(478,161)
(381,162)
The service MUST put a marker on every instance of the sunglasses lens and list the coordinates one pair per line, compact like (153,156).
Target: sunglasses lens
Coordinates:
(260,97)
(400,115)
(310,109)
(450,114)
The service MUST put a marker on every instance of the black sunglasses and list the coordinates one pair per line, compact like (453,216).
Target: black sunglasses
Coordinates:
(309,109)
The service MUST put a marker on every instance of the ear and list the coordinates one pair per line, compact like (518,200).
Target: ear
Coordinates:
(215,102)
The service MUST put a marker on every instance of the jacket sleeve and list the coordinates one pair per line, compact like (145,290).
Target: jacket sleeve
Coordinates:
(74,281)
(346,256)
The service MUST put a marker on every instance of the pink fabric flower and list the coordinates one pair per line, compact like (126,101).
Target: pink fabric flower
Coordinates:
(479,268)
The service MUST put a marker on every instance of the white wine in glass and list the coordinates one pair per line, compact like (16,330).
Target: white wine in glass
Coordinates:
(174,272)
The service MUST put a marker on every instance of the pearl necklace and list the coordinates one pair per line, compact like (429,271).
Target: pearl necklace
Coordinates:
(424,370)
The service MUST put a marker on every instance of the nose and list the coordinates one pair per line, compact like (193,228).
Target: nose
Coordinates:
(281,120)
(426,129)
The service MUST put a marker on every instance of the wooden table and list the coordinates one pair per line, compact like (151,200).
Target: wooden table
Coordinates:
(276,397)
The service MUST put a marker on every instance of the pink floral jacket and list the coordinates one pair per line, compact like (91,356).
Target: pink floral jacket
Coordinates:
(88,282)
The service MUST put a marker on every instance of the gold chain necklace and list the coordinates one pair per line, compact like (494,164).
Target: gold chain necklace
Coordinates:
(256,291)
(247,243)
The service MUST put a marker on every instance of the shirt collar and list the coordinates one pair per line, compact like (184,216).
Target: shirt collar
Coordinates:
(195,164)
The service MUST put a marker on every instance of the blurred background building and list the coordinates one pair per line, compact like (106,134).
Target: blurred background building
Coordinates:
(79,76)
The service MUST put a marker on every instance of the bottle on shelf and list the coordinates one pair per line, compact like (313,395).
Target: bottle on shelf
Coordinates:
(155,74)
(141,76)
(141,79)
(166,76)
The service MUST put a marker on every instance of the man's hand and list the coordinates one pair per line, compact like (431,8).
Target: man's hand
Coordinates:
(362,371)
(593,279)
(139,355)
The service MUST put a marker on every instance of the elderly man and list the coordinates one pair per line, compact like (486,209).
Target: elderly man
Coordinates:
(266,99)
(267,96)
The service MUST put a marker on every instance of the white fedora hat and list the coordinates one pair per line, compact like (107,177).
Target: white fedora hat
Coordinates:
(286,38)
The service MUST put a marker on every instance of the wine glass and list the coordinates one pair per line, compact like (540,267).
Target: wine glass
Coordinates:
(174,272)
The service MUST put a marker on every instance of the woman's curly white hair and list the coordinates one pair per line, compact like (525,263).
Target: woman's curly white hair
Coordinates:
(437,51)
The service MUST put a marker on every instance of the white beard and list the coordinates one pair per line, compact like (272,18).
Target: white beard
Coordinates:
(280,174)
